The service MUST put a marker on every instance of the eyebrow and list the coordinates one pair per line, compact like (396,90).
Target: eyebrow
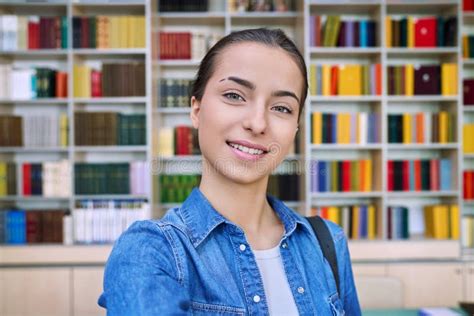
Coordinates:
(251,86)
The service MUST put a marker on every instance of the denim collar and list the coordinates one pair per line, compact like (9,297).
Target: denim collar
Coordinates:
(201,218)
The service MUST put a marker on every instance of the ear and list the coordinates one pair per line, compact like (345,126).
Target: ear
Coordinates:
(195,109)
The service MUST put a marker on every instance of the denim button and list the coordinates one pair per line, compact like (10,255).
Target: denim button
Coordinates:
(301,290)
(242,247)
(284,245)
(256,298)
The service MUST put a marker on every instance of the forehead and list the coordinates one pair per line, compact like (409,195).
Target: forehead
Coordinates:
(262,64)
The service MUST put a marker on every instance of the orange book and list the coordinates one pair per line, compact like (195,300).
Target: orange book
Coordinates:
(61,84)
(378,79)
(420,128)
(417,167)
(324,212)
(362,180)
(334,78)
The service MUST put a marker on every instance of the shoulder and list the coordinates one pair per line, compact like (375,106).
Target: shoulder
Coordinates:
(336,231)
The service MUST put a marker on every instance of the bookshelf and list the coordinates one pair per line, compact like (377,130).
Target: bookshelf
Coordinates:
(381,254)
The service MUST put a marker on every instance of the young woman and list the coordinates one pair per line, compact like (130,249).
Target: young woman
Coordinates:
(231,249)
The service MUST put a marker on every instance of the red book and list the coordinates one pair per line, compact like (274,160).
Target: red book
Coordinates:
(26,179)
(85,32)
(36,35)
(61,84)
(31,43)
(334,78)
(378,79)
(33,227)
(389,223)
(468,91)
(42,32)
(317,31)
(406,176)
(188,45)
(434,175)
(471,182)
(417,169)
(390,175)
(425,32)
(467,5)
(96,83)
(324,212)
(346,176)
(465,187)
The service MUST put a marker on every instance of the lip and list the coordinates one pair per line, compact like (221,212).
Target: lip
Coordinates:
(245,156)
(248,144)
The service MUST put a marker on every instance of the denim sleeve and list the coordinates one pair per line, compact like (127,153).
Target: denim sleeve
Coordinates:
(348,290)
(141,277)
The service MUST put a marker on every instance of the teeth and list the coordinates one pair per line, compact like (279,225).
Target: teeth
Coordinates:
(247,150)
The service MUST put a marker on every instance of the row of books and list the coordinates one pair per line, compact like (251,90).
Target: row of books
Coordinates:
(178,140)
(113,80)
(424,79)
(357,221)
(441,221)
(419,175)
(467,239)
(123,31)
(102,221)
(260,6)
(109,128)
(468,46)
(182,5)
(345,128)
(34,130)
(19,227)
(112,178)
(48,179)
(345,80)
(175,188)
(183,45)
(430,31)
(468,139)
(468,91)
(174,93)
(32,83)
(32,32)
(8,182)
(468,184)
(341,175)
(422,127)
(285,187)
(339,31)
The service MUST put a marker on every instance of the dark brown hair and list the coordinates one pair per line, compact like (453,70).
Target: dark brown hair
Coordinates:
(273,38)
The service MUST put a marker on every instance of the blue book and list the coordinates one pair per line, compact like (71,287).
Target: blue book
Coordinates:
(314,178)
(363,33)
(2,226)
(21,216)
(349,40)
(445,174)
(334,129)
(322,174)
(363,222)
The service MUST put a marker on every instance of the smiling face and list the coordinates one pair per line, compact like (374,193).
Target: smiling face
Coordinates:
(248,115)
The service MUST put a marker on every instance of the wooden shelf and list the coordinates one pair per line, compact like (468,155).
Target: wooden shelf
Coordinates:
(394,250)
(53,254)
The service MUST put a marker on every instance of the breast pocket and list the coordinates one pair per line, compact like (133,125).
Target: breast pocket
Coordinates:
(198,308)
(336,305)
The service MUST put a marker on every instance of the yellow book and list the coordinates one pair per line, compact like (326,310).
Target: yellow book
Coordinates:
(371,219)
(339,127)
(106,32)
(316,128)
(465,46)
(333,214)
(454,221)
(437,222)
(114,31)
(355,222)
(349,80)
(357,128)
(312,80)
(165,143)
(409,80)
(123,31)
(443,127)
(468,138)
(446,79)
(388,32)
(453,74)
(3,178)
(140,36)
(411,32)
(444,225)
(368,175)
(326,70)
(63,130)
(334,173)
(346,133)
(131,31)
(82,81)
(407,126)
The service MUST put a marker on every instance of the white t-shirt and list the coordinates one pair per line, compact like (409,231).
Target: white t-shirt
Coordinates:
(277,290)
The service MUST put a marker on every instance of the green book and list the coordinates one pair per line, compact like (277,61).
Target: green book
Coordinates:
(64,43)
(403,32)
(354,175)
(334,176)
(93,32)
(440,31)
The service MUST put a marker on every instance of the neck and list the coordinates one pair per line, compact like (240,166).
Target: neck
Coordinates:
(245,205)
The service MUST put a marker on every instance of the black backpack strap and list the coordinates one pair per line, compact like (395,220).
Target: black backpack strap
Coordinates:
(327,244)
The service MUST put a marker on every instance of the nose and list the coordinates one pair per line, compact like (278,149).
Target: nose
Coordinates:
(256,119)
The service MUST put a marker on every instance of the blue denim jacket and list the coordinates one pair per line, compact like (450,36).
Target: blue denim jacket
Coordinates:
(195,261)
